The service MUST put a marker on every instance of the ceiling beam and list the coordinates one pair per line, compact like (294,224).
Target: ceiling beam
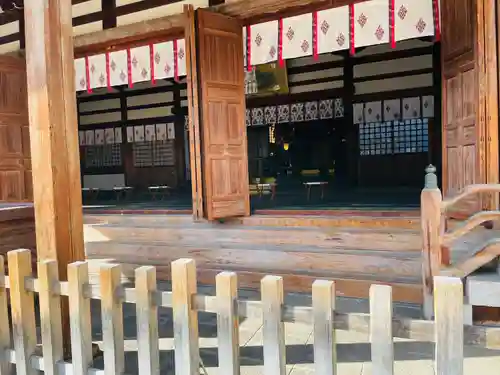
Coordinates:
(135,33)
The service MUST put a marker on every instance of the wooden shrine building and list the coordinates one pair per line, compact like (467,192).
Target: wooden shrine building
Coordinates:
(287,137)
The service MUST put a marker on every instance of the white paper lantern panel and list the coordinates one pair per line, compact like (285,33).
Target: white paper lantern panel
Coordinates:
(181,57)
(89,137)
(428,106)
(140,64)
(164,60)
(130,134)
(297,36)
(413,19)
(118,68)
(150,133)
(358,113)
(263,42)
(371,23)
(109,136)
(161,132)
(139,133)
(99,137)
(392,109)
(97,71)
(373,111)
(171,130)
(333,29)
(411,108)
(118,135)
(81,138)
(80,74)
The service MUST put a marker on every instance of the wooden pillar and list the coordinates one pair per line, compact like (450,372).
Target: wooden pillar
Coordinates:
(353,130)
(432,259)
(54,134)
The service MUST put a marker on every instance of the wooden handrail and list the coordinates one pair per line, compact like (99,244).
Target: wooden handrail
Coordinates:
(483,254)
(436,243)
(469,190)
(470,224)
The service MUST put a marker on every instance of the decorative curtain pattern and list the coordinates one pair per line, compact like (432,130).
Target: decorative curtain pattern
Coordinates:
(362,24)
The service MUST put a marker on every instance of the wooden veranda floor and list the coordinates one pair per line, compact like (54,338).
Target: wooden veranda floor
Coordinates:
(356,250)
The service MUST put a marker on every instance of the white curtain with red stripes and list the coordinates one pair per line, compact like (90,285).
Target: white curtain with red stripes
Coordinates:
(344,28)
(126,67)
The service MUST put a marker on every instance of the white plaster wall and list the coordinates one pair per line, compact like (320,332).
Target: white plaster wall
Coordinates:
(367,70)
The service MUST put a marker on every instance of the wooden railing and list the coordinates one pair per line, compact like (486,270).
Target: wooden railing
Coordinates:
(447,331)
(436,240)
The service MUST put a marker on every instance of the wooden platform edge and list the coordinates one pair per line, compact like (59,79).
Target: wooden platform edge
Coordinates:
(353,288)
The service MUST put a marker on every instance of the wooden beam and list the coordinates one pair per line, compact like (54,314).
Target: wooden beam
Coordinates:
(262,10)
(135,33)
(54,134)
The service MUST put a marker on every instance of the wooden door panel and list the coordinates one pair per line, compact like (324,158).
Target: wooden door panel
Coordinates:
(15,155)
(461,120)
(222,119)
(454,157)
(457,27)
(12,185)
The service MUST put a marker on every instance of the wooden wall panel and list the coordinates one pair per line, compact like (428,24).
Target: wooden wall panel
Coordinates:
(458,29)
(468,119)
(15,159)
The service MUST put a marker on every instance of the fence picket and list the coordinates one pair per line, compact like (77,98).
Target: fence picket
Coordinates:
(112,320)
(80,323)
(273,327)
(187,356)
(50,316)
(227,323)
(449,328)
(23,311)
(147,321)
(5,342)
(323,300)
(382,345)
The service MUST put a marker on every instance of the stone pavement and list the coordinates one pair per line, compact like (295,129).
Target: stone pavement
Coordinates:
(353,349)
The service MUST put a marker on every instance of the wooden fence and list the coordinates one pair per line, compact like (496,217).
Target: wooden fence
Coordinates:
(447,330)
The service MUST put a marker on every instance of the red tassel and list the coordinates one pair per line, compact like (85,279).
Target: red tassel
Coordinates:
(176,63)
(152,62)
(392,24)
(249,48)
(437,26)
(108,75)
(87,74)
(351,29)
(315,35)
(129,68)
(280,42)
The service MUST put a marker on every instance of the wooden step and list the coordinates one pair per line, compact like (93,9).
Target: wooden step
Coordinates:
(356,263)
(353,221)
(483,289)
(258,237)
(404,290)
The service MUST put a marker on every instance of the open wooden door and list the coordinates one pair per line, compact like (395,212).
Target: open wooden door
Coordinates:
(218,98)
(468,116)
(15,157)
